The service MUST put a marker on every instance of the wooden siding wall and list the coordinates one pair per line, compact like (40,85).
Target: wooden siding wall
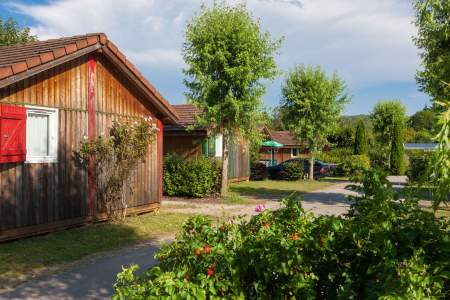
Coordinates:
(39,195)
(239,161)
(186,146)
(117,101)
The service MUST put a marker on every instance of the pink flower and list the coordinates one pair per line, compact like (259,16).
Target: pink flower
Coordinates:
(260,208)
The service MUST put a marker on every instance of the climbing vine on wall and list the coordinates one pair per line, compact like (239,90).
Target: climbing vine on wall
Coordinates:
(116,157)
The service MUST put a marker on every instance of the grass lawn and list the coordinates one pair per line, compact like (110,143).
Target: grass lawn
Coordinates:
(277,188)
(32,255)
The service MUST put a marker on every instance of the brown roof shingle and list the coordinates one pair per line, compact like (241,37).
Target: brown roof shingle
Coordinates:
(17,61)
(186,114)
(284,137)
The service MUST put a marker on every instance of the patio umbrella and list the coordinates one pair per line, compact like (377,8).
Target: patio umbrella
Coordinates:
(274,145)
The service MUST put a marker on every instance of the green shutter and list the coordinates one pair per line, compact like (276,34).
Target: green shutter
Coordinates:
(212,147)
(204,146)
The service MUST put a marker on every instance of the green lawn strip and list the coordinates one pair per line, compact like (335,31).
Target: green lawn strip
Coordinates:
(32,255)
(276,188)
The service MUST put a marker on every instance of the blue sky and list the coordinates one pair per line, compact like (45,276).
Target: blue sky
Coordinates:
(368,43)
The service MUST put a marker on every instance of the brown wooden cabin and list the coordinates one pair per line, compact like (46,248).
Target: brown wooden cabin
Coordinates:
(52,94)
(292,148)
(191,144)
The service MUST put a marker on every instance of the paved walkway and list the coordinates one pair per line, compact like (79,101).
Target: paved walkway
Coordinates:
(88,279)
(92,278)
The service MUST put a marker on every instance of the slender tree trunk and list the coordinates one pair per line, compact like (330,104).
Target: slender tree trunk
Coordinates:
(311,167)
(224,183)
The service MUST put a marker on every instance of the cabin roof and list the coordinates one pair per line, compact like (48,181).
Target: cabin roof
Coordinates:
(284,137)
(24,60)
(187,113)
(187,116)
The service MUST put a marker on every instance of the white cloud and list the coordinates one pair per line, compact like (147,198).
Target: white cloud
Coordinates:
(367,42)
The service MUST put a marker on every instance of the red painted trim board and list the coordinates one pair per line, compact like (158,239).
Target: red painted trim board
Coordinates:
(92,134)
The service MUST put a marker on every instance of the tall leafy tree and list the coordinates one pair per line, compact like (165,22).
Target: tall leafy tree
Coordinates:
(397,150)
(11,33)
(360,146)
(228,57)
(433,23)
(312,102)
(433,39)
(384,116)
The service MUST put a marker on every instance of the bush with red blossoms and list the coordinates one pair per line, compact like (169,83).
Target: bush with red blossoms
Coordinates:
(385,248)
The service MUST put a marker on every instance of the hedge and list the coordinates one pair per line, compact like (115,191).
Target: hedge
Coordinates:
(190,178)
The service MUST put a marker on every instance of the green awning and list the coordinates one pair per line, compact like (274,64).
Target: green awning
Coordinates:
(272,144)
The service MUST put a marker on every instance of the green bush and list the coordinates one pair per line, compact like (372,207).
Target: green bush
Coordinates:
(383,249)
(191,178)
(379,157)
(258,171)
(292,171)
(335,156)
(353,165)
(419,162)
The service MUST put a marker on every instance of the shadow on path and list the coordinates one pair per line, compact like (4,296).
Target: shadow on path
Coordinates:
(87,279)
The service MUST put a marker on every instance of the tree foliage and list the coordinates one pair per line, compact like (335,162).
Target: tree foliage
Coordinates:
(397,151)
(360,146)
(433,23)
(312,102)
(384,116)
(228,57)
(424,119)
(11,33)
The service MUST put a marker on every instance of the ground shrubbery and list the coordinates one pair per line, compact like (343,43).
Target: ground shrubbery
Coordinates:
(354,165)
(419,162)
(383,249)
(191,178)
(292,171)
(335,156)
(258,171)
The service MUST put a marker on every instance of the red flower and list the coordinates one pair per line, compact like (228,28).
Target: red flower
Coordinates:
(266,225)
(294,236)
(198,252)
(211,271)
(207,249)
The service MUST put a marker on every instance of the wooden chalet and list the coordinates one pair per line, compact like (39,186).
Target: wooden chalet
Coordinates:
(52,94)
(292,148)
(193,143)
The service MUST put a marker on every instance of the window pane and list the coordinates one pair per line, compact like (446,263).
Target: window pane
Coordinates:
(37,135)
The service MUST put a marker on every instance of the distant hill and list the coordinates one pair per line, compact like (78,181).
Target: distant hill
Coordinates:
(352,120)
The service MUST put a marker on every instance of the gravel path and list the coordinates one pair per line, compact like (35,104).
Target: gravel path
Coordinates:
(328,201)
(90,278)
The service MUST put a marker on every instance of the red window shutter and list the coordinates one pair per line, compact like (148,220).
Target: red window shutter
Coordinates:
(13,133)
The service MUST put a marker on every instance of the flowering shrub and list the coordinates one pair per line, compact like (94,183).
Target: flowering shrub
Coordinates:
(383,249)
(115,157)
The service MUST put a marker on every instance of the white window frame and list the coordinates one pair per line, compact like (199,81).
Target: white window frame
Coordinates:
(52,134)
(292,152)
(219,145)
